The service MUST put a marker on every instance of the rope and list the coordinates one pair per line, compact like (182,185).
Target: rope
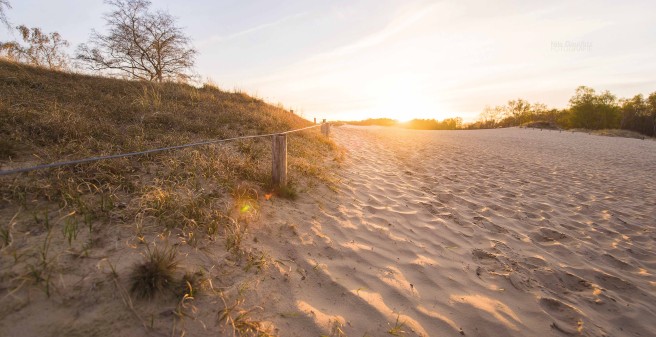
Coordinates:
(130,154)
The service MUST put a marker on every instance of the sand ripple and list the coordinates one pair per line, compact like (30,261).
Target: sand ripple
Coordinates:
(484,233)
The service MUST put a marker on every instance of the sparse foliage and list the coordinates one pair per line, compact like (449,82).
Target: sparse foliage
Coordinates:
(4,5)
(239,320)
(42,50)
(490,116)
(397,328)
(139,43)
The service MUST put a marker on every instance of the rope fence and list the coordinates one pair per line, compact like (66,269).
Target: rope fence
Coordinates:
(279,147)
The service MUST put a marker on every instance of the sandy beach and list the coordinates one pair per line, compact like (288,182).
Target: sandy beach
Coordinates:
(506,232)
(512,232)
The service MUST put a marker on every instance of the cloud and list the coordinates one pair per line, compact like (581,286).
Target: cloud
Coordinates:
(218,38)
(341,59)
(397,26)
(459,59)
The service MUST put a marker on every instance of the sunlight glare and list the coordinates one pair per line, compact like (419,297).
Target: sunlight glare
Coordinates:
(403,99)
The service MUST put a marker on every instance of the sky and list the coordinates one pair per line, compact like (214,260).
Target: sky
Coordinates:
(350,60)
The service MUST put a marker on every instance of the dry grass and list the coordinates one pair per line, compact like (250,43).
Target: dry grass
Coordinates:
(56,224)
(155,274)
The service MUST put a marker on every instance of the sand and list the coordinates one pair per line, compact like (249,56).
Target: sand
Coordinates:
(512,232)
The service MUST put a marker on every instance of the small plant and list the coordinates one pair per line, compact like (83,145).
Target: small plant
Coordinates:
(43,252)
(239,320)
(5,233)
(258,260)
(189,285)
(106,203)
(40,274)
(5,237)
(336,330)
(41,271)
(288,191)
(212,228)
(71,230)
(234,235)
(397,329)
(112,270)
(45,220)
(191,238)
(155,274)
(88,220)
(187,293)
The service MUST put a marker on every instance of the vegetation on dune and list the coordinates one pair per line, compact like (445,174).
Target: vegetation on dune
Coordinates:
(587,110)
(155,274)
(50,116)
(52,221)
(79,232)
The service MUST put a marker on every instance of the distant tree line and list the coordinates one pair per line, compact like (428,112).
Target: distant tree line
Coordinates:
(587,110)
(375,121)
(433,124)
(418,124)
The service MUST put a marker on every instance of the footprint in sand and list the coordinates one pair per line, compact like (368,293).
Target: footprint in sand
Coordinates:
(574,283)
(617,263)
(611,282)
(489,260)
(562,282)
(549,235)
(565,318)
(520,281)
(534,262)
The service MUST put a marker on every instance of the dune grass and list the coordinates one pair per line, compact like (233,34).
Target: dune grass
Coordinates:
(56,224)
(155,274)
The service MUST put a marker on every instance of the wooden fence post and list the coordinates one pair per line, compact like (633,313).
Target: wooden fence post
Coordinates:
(279,155)
(325,129)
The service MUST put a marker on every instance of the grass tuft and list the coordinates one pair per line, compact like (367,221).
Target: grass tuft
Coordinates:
(155,274)
(239,320)
(189,285)
(397,328)
(288,192)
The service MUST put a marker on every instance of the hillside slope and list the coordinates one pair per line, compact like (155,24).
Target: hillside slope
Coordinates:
(80,246)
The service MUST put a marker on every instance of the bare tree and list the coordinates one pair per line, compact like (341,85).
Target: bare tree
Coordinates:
(139,43)
(42,50)
(4,5)
(490,116)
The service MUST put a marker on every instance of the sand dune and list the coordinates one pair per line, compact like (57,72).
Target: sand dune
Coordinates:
(509,232)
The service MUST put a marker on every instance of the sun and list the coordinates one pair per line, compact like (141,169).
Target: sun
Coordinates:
(405,106)
(404,98)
